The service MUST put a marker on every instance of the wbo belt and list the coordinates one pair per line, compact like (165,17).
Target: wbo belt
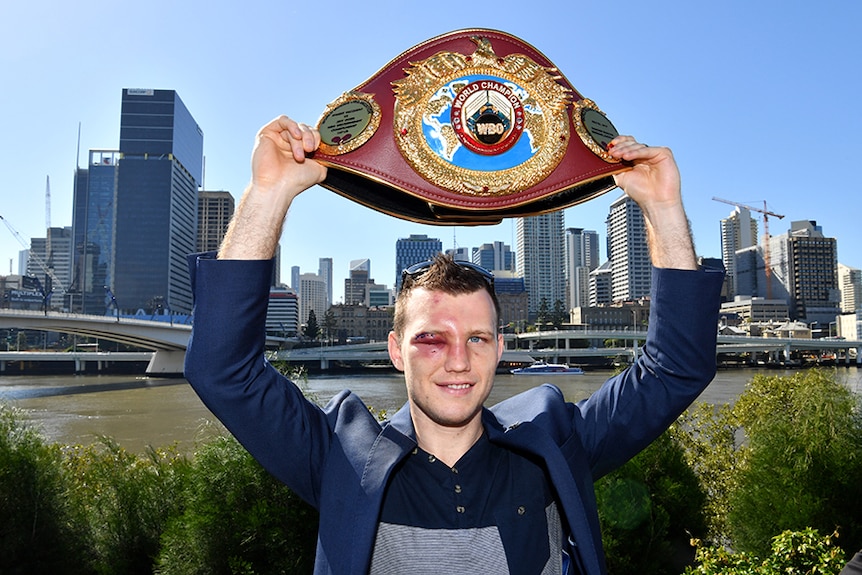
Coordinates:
(467,128)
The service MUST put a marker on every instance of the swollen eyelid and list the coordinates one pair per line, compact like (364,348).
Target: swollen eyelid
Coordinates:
(427,338)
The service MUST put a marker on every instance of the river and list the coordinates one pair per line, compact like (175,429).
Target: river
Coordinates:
(139,411)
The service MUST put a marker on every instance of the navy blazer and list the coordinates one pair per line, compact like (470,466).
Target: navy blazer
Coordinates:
(339,458)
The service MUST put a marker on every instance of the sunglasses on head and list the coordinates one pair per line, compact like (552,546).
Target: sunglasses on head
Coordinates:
(416,270)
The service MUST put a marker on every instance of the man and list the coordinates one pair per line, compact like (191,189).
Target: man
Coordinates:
(447,485)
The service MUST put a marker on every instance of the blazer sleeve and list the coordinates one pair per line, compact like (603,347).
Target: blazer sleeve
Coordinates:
(677,363)
(225,365)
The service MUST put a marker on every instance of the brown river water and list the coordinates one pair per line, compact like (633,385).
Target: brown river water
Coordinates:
(138,412)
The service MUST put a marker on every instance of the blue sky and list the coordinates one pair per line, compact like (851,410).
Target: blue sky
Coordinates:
(759,100)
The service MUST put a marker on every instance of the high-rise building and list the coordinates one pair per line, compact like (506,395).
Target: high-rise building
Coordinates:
(312,296)
(627,251)
(160,169)
(294,278)
(601,281)
(93,223)
(814,261)
(802,270)
(282,312)
(50,262)
(325,271)
(215,210)
(496,256)
(357,281)
(738,232)
(541,259)
(582,257)
(412,250)
(460,254)
(850,284)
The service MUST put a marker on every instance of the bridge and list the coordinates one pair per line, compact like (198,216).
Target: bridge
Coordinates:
(167,343)
(572,346)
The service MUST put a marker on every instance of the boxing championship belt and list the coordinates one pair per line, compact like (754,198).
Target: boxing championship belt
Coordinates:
(467,128)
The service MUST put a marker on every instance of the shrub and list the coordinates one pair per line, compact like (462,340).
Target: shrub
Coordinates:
(791,552)
(648,508)
(238,519)
(123,502)
(36,532)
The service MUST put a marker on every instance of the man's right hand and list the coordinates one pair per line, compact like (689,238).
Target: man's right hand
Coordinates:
(281,170)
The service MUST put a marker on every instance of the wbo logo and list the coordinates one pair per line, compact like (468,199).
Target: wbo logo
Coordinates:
(488,117)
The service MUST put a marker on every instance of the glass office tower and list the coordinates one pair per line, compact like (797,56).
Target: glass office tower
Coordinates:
(156,205)
(93,233)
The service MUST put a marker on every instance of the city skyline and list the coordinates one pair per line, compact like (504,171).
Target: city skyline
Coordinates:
(723,86)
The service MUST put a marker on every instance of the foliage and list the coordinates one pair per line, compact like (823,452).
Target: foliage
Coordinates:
(559,315)
(786,456)
(805,441)
(36,531)
(648,508)
(330,324)
(123,502)
(238,519)
(708,434)
(791,552)
(312,329)
(542,313)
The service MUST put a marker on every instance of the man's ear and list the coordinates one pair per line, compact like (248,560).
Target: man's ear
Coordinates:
(500,345)
(395,351)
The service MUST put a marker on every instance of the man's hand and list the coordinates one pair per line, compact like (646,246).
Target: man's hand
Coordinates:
(654,183)
(279,161)
(281,170)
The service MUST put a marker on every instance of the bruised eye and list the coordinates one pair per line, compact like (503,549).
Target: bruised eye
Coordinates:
(430,338)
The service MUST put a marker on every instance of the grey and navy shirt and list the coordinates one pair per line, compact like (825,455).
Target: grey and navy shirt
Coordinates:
(492,512)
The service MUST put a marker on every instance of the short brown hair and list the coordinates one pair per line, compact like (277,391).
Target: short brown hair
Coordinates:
(447,275)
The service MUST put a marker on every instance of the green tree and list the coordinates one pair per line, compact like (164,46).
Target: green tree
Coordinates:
(329,324)
(543,313)
(786,456)
(804,464)
(312,329)
(559,316)
(649,509)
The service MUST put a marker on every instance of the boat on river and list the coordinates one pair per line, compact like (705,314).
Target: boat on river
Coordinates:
(544,368)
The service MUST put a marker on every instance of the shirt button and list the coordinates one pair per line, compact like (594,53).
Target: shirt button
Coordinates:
(431,459)
(457,489)
(460,509)
(522,510)
(455,470)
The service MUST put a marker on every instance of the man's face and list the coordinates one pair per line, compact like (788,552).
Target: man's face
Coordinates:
(448,352)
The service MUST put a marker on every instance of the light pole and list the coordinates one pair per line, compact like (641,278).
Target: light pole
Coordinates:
(113,302)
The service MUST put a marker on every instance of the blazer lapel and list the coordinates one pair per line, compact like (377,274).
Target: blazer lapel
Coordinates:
(527,437)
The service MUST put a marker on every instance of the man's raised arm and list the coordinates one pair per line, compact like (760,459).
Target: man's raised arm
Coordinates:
(654,184)
(280,171)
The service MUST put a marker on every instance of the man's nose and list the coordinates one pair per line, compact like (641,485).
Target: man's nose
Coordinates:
(458,358)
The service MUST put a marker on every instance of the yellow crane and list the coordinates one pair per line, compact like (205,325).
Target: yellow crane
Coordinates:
(767,263)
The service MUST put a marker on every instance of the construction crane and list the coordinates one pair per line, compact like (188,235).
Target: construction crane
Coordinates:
(767,263)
